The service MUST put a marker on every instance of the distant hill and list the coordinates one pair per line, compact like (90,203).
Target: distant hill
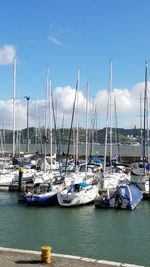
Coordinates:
(120,135)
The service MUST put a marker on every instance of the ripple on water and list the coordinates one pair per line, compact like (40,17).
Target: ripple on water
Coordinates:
(117,235)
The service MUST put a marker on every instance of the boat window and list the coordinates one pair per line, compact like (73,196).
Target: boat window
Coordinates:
(140,165)
(43,189)
(77,187)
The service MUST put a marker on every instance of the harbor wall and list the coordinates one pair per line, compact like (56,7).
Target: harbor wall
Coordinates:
(127,153)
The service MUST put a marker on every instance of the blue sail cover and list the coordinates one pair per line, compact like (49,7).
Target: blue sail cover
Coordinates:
(148,166)
(137,196)
(83,184)
(131,193)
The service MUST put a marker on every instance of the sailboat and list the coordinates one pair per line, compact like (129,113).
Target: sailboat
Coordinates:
(142,168)
(77,194)
(82,190)
(111,175)
(126,196)
(43,193)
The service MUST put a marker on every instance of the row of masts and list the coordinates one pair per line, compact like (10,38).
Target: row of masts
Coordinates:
(48,112)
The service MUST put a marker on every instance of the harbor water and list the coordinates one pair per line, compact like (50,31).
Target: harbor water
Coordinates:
(108,234)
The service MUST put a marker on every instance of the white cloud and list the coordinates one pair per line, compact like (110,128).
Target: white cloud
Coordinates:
(7,54)
(54,40)
(127,104)
(128,108)
(65,98)
(56,33)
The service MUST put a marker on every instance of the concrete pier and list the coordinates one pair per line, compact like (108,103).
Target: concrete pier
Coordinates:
(29,258)
(9,187)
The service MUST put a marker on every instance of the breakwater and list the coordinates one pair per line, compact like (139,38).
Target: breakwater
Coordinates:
(127,153)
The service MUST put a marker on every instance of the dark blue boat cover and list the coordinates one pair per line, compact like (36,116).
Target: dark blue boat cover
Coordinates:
(127,191)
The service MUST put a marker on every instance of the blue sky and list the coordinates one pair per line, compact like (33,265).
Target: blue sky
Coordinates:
(64,34)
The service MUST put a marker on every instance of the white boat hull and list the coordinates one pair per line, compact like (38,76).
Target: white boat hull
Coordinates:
(66,198)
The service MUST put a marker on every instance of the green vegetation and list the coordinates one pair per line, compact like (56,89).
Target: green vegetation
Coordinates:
(124,136)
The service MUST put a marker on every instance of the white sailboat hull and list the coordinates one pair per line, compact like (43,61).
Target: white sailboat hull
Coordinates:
(85,196)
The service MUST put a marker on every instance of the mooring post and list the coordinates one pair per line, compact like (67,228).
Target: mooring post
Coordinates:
(20,185)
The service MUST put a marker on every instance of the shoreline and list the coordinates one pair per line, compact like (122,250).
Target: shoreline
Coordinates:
(19,257)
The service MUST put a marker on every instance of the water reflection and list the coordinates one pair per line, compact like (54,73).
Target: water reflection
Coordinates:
(85,231)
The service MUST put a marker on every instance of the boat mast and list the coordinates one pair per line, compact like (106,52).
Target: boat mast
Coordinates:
(56,127)
(106,137)
(4,140)
(70,131)
(147,111)
(62,135)
(141,137)
(77,137)
(86,131)
(145,114)
(36,135)
(117,133)
(14,102)
(110,110)
(107,120)
(45,139)
(51,127)
(92,126)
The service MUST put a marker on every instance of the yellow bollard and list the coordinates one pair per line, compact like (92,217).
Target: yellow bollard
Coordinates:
(46,254)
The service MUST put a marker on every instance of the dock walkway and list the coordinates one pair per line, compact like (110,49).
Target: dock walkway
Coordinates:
(27,258)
